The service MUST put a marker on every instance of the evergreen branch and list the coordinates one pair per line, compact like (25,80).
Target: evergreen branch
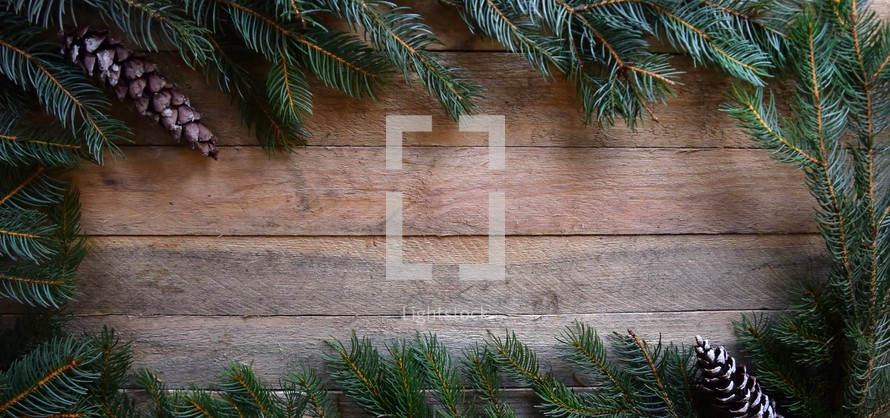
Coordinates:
(21,185)
(409,397)
(835,208)
(160,401)
(358,371)
(49,380)
(751,73)
(17,148)
(41,13)
(310,384)
(586,349)
(760,124)
(140,20)
(37,285)
(288,89)
(497,21)
(64,93)
(114,362)
(484,376)
(401,38)
(342,61)
(558,400)
(440,373)
(650,362)
(881,68)
(24,234)
(245,392)
(256,109)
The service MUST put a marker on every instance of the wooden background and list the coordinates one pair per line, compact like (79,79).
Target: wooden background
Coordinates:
(678,228)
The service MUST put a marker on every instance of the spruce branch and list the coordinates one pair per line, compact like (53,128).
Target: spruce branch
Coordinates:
(402,38)
(50,379)
(312,393)
(440,374)
(77,104)
(141,21)
(485,379)
(242,388)
(159,405)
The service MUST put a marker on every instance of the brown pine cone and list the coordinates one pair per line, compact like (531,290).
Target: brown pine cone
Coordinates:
(736,390)
(134,77)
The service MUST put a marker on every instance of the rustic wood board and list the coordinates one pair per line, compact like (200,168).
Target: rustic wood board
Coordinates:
(342,191)
(193,349)
(513,89)
(339,276)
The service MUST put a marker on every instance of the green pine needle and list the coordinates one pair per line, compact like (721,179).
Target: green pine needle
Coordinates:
(50,380)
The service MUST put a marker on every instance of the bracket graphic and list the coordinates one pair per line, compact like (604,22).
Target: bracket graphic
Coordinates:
(495,268)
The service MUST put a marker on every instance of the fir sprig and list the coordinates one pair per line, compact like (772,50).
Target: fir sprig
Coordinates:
(830,357)
(49,380)
(603,47)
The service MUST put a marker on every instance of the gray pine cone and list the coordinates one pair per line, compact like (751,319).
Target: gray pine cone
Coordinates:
(134,77)
(736,391)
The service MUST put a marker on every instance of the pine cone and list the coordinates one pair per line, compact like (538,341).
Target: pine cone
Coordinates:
(132,76)
(736,390)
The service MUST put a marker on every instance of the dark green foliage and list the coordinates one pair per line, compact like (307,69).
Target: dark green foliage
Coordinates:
(292,37)
(240,394)
(51,379)
(646,381)
(396,384)
(603,48)
(485,379)
(35,326)
(831,357)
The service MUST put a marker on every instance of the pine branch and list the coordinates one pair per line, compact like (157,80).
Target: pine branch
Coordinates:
(585,350)
(242,388)
(34,145)
(160,404)
(256,109)
(440,374)
(519,361)
(648,365)
(113,365)
(358,371)
(66,94)
(142,20)
(310,384)
(483,374)
(402,38)
(504,22)
(49,380)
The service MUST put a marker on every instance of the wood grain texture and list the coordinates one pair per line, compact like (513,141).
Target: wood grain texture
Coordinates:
(193,349)
(341,191)
(521,400)
(512,89)
(338,276)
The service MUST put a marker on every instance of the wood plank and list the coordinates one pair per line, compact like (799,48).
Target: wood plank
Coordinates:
(341,191)
(512,88)
(346,275)
(194,349)
(521,400)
